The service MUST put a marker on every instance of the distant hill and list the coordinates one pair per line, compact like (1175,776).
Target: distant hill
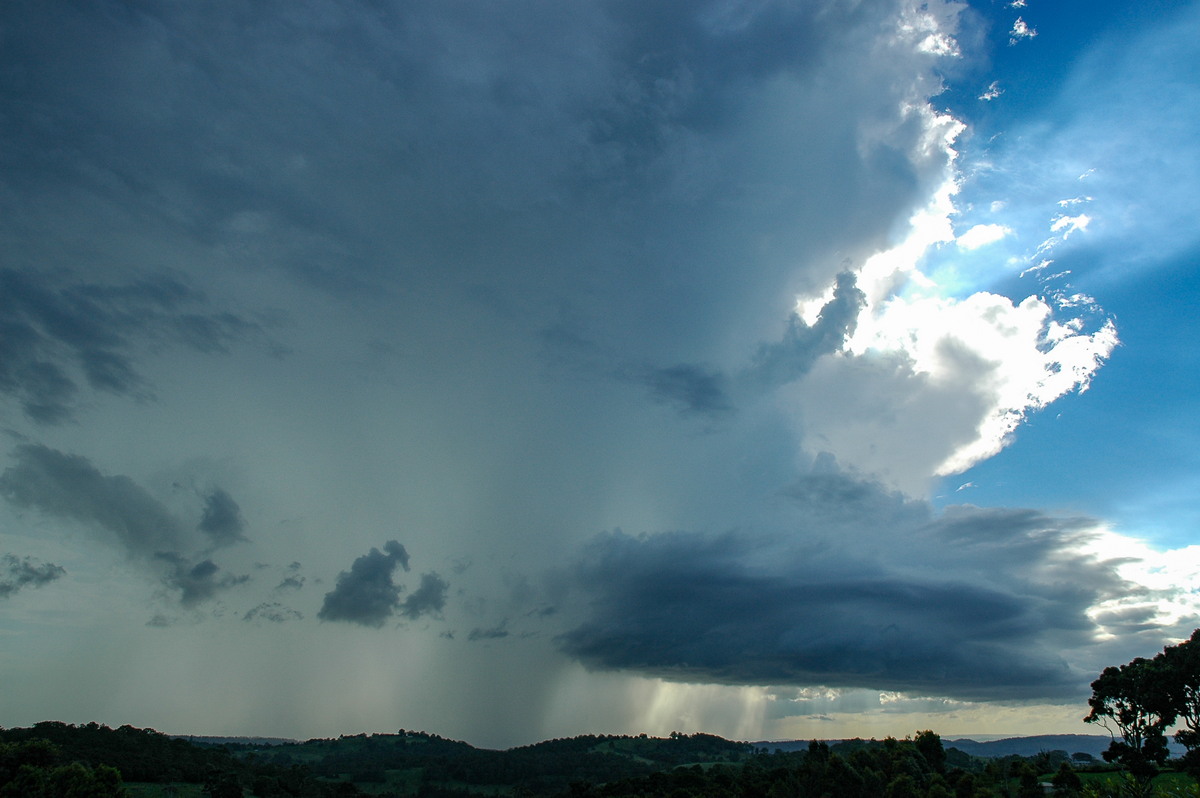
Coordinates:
(203,740)
(1092,744)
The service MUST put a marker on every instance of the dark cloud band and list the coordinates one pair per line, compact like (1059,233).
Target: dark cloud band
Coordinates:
(976,604)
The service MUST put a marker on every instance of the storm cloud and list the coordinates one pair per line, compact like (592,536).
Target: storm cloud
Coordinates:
(428,598)
(793,356)
(549,269)
(60,333)
(68,486)
(222,520)
(366,594)
(16,574)
(975,604)
(196,582)
(124,514)
(690,388)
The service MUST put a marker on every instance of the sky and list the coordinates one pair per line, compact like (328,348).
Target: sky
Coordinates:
(521,370)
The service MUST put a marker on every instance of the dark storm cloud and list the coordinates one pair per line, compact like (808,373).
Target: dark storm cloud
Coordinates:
(222,519)
(429,597)
(16,574)
(977,604)
(55,332)
(694,390)
(69,486)
(508,150)
(366,594)
(689,388)
(196,582)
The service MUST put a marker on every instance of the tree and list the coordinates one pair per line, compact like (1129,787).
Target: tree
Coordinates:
(1180,666)
(930,746)
(1132,701)
(1066,781)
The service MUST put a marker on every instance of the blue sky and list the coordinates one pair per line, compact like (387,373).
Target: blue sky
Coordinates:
(1125,105)
(769,369)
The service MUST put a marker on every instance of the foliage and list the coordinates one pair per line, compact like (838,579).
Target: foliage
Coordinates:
(1142,700)
(1131,701)
(590,766)
(36,768)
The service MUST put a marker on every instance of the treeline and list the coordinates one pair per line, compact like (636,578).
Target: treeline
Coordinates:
(57,760)
(93,761)
(545,768)
(912,768)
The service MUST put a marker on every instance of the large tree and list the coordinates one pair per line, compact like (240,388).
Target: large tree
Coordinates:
(1179,666)
(1132,701)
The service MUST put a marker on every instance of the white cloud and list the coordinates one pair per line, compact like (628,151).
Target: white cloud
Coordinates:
(932,383)
(981,235)
(1069,224)
(992,91)
(945,382)
(1020,31)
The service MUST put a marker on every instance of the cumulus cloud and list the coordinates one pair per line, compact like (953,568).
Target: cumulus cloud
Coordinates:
(59,333)
(366,594)
(930,385)
(975,603)
(16,574)
(428,598)
(981,235)
(1020,32)
(222,519)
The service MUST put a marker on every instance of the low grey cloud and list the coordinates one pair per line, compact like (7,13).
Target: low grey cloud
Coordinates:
(273,612)
(222,520)
(791,357)
(196,582)
(70,487)
(292,580)
(16,574)
(58,334)
(366,594)
(689,388)
(428,598)
(976,604)
(696,390)
(489,633)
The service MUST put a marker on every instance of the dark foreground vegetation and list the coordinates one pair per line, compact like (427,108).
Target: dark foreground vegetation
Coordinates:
(93,761)
(1139,703)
